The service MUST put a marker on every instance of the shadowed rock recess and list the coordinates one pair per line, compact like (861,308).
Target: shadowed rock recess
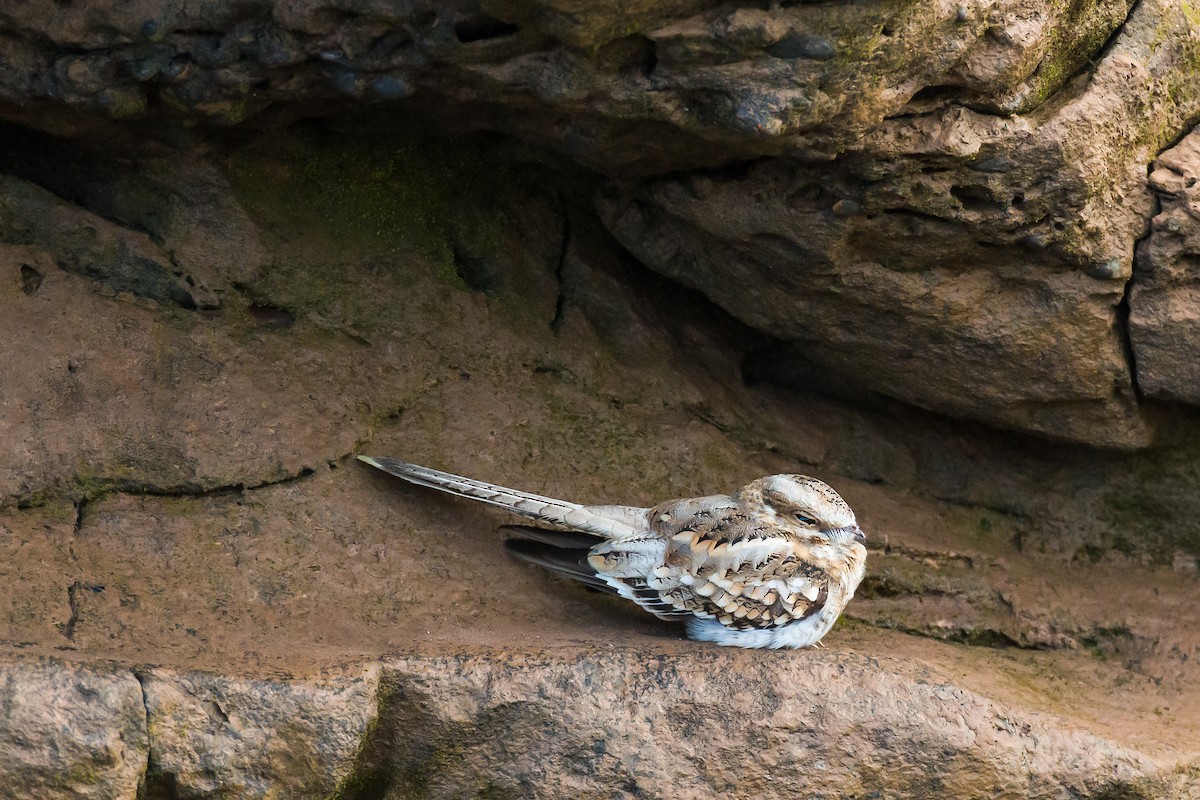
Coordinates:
(941,255)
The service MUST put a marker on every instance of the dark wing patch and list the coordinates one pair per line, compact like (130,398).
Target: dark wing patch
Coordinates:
(575,540)
(568,554)
(654,601)
(569,561)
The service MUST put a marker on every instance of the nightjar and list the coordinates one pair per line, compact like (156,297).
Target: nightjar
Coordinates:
(770,566)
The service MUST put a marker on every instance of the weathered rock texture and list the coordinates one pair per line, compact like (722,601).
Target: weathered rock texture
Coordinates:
(223,737)
(190,508)
(1165,306)
(588,722)
(948,242)
(999,150)
(232,256)
(68,732)
(741,724)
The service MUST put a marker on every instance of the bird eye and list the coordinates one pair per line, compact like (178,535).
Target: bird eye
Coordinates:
(807,520)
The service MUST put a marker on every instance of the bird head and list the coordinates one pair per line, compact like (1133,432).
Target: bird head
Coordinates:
(811,508)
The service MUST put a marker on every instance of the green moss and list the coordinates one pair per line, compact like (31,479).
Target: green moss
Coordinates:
(1084,28)
(1163,109)
(1191,13)
(368,197)
(369,776)
(79,775)
(389,212)
(1183,87)
(1107,642)
(37,499)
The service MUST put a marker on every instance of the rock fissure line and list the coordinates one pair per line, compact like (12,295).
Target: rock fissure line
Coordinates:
(80,508)
(73,602)
(1124,306)
(144,787)
(36,499)
(216,491)
(1101,52)
(920,555)
(986,637)
(68,628)
(1123,331)
(560,302)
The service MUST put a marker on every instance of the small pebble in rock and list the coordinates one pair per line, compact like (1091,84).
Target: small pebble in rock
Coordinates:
(962,15)
(391,87)
(802,45)
(845,207)
(144,70)
(997,164)
(1109,270)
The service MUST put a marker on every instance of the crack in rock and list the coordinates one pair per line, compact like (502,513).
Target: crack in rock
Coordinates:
(111,486)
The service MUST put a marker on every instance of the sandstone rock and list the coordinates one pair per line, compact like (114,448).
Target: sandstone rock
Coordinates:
(68,731)
(1164,307)
(605,722)
(216,736)
(710,81)
(584,721)
(935,203)
(1029,344)
(83,243)
(994,238)
(111,444)
(198,232)
(1001,166)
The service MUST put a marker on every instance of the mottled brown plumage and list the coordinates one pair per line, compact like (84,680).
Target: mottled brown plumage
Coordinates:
(770,566)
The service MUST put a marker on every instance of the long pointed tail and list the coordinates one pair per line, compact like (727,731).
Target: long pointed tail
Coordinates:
(610,522)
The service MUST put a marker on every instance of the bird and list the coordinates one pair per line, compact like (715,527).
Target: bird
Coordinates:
(770,566)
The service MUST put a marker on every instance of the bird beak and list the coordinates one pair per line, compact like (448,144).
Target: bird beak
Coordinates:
(858,535)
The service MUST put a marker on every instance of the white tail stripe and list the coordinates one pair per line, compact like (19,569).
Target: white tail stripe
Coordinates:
(455,484)
(533,506)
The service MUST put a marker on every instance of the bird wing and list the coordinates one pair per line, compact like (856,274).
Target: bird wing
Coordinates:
(720,562)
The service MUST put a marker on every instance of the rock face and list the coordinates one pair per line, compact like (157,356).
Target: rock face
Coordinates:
(653,251)
(1165,304)
(740,723)
(794,250)
(591,723)
(715,81)
(219,737)
(67,731)
(1002,168)
(1002,267)
(292,625)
